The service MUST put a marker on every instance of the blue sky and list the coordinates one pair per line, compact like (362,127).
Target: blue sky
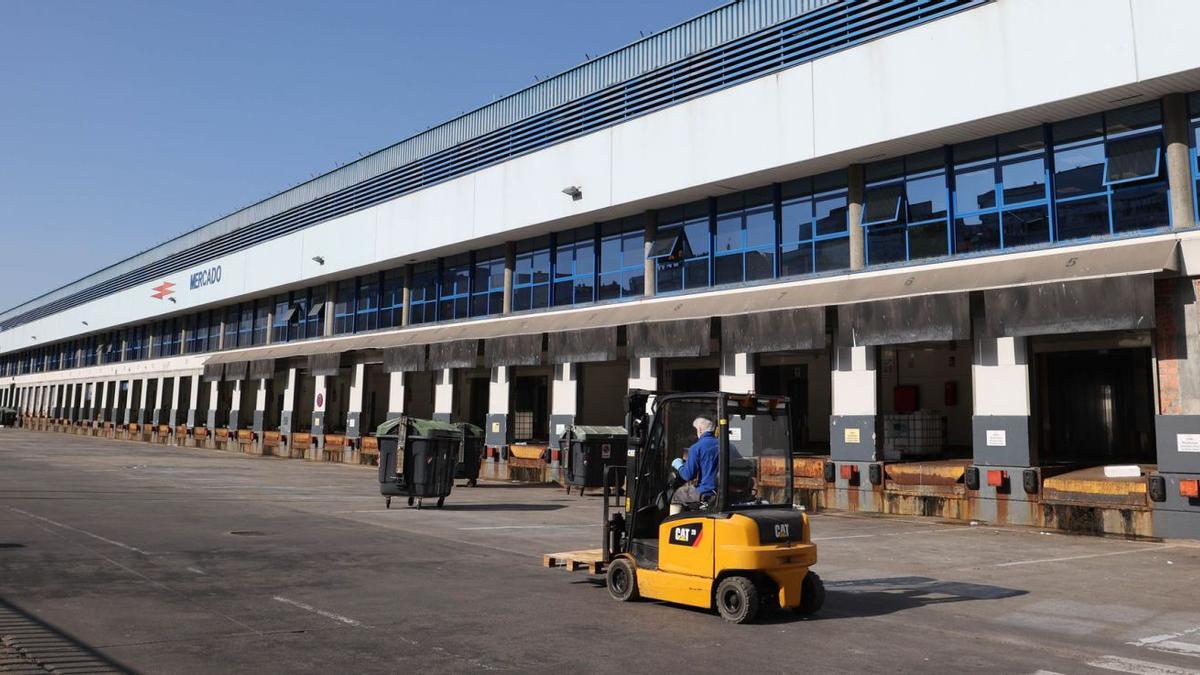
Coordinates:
(124,123)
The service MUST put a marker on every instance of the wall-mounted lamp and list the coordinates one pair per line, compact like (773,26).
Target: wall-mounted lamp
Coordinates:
(84,322)
(172,300)
(574,192)
(318,259)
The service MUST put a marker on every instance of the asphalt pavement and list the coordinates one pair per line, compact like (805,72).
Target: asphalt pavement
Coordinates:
(132,557)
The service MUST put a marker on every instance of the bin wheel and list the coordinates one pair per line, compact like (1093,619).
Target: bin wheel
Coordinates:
(388,502)
(621,580)
(812,594)
(411,500)
(441,500)
(737,599)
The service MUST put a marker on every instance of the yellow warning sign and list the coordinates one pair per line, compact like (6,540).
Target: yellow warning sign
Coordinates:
(853,435)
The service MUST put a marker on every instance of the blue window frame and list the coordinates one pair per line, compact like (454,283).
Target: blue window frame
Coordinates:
(70,355)
(314,326)
(813,225)
(531,275)
(343,307)
(52,359)
(366,308)
(246,325)
(1194,112)
(744,237)
(454,288)
(1108,175)
(133,344)
(423,295)
(575,267)
(487,282)
(622,259)
(906,213)
(89,352)
(229,339)
(1001,192)
(682,248)
(283,315)
(391,303)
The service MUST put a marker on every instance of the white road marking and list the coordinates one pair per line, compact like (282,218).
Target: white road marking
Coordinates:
(1148,549)
(906,533)
(93,535)
(309,608)
(1163,638)
(524,527)
(1176,647)
(196,570)
(1136,667)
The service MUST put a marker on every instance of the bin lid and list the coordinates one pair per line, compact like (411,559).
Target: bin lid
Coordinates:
(470,430)
(417,427)
(596,432)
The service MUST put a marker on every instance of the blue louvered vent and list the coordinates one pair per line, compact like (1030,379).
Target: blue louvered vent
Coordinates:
(804,38)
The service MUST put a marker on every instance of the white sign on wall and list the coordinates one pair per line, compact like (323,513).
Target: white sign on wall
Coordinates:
(735,433)
(997,438)
(1187,442)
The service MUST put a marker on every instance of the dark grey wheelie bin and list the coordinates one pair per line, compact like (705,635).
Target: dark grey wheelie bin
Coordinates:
(8,417)
(587,451)
(469,453)
(417,459)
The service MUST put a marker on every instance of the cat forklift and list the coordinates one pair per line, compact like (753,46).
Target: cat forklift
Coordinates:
(742,548)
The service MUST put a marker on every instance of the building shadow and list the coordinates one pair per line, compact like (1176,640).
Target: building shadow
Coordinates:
(25,637)
(449,506)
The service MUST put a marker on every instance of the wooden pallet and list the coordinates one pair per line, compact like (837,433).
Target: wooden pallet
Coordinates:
(590,560)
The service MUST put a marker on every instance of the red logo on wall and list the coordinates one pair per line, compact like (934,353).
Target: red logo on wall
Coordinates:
(320,400)
(163,290)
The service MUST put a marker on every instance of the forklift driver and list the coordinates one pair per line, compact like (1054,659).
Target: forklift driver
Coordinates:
(698,466)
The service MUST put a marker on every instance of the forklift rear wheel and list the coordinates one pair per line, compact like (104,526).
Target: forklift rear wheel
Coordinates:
(441,500)
(812,594)
(621,579)
(388,502)
(411,500)
(737,599)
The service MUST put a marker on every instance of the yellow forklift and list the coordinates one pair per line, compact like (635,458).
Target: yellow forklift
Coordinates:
(741,547)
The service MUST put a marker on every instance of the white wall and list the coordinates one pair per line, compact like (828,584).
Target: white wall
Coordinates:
(1009,63)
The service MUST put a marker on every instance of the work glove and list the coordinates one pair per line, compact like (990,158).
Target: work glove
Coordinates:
(677,463)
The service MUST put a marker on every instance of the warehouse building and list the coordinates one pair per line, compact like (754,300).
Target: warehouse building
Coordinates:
(960,234)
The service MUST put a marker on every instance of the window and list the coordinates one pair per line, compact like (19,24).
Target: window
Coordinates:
(283,316)
(423,295)
(455,288)
(487,284)
(169,337)
(366,309)
(343,307)
(813,232)
(682,244)
(133,344)
(246,325)
(262,313)
(574,267)
(531,275)
(52,358)
(229,340)
(70,355)
(1000,192)
(1108,174)
(906,212)
(744,237)
(391,304)
(89,351)
(622,258)
(314,324)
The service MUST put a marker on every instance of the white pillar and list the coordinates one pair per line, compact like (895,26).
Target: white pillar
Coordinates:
(564,394)
(68,406)
(354,406)
(176,395)
(142,400)
(289,403)
(443,395)
(737,373)
(103,400)
(852,423)
(235,404)
(1001,402)
(318,420)
(214,390)
(395,395)
(495,435)
(158,401)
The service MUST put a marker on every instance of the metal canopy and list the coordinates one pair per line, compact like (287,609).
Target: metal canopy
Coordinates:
(939,317)
(236,371)
(689,337)
(213,372)
(404,359)
(327,365)
(1063,307)
(456,354)
(781,330)
(1149,254)
(513,350)
(583,345)
(262,369)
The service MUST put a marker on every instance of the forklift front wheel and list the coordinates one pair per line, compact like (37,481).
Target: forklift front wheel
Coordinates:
(441,500)
(411,500)
(812,594)
(388,502)
(622,580)
(737,599)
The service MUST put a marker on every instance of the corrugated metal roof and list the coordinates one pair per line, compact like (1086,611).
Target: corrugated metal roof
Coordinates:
(708,30)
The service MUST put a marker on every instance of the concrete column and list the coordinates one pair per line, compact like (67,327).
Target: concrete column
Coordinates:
(289,403)
(856,182)
(330,300)
(102,416)
(158,402)
(852,424)
(1000,392)
(260,406)
(68,408)
(318,420)
(651,269)
(643,374)
(214,389)
(564,396)
(143,397)
(193,400)
(127,416)
(406,297)
(235,404)
(53,408)
(176,403)
(1179,161)
(737,373)
(495,435)
(510,264)
(395,395)
(443,395)
(354,406)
